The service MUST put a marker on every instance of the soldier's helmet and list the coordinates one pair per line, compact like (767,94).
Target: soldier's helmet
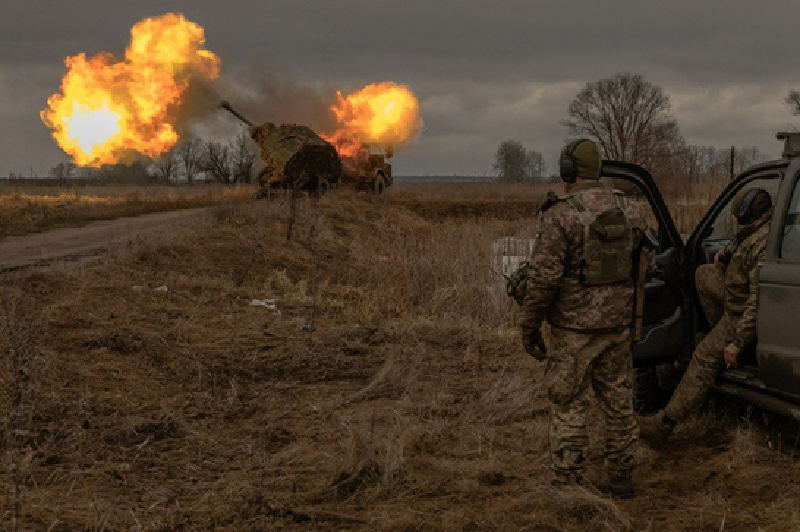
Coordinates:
(751,204)
(580,158)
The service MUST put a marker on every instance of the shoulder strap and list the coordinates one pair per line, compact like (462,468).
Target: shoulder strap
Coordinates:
(580,208)
(586,217)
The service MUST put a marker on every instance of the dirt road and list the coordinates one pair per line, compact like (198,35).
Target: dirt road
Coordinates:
(78,242)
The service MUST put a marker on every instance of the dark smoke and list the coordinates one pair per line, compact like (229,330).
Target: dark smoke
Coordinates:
(262,93)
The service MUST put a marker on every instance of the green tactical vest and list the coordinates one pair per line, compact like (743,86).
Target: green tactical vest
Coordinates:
(607,244)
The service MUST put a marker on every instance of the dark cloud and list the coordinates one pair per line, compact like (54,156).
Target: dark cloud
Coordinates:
(484,71)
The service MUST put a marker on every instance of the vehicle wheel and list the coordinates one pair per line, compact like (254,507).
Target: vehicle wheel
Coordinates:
(647,395)
(380,185)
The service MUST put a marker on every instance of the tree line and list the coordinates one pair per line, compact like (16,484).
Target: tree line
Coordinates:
(630,119)
(192,160)
(516,164)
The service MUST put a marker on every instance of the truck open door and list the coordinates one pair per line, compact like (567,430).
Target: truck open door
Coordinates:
(665,325)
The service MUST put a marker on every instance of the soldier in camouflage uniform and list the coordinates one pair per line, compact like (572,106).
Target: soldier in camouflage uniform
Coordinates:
(588,302)
(709,279)
(732,281)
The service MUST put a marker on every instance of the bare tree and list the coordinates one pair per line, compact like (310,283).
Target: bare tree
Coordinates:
(535,167)
(63,171)
(628,116)
(217,161)
(167,166)
(135,172)
(243,159)
(697,162)
(87,172)
(190,154)
(793,101)
(511,161)
(745,157)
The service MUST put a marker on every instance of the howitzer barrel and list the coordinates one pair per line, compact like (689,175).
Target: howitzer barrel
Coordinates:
(234,112)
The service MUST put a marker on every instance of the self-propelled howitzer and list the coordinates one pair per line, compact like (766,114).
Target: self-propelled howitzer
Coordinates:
(295,157)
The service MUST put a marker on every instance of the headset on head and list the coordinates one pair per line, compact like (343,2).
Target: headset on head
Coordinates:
(568,167)
(744,211)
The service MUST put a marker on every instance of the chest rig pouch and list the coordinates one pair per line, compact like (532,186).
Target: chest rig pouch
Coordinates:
(607,244)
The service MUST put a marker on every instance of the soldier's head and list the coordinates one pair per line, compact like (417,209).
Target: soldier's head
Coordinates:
(750,204)
(580,159)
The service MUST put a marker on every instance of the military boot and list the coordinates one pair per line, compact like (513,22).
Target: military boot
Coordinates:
(619,485)
(655,429)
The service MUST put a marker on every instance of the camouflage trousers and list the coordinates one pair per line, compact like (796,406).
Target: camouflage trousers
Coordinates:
(706,362)
(579,363)
(707,358)
(710,284)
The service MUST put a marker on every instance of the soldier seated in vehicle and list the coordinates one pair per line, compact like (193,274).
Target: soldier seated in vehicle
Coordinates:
(728,294)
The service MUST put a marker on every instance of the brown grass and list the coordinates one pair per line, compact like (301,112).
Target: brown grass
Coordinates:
(31,209)
(389,392)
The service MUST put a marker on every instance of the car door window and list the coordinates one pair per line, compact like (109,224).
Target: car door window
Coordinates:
(790,244)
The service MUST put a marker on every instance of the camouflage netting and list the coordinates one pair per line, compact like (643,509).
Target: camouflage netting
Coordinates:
(296,155)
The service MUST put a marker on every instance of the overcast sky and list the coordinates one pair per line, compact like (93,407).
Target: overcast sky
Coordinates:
(484,71)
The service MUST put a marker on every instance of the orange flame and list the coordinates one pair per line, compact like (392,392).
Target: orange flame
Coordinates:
(382,113)
(110,109)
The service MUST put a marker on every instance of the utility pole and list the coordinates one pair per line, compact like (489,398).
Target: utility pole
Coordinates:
(733,155)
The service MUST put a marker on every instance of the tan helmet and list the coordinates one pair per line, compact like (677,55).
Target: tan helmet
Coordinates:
(579,158)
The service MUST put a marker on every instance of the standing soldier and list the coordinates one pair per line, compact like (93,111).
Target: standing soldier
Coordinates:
(728,293)
(580,281)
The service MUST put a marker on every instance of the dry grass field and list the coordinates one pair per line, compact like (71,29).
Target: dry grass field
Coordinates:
(383,388)
(32,209)
(688,201)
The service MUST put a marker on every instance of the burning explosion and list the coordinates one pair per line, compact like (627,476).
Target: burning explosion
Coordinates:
(382,113)
(110,109)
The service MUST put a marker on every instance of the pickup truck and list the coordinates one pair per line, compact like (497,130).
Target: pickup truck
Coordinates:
(769,376)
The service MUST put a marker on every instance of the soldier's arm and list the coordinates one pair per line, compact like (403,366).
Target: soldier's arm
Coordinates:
(545,270)
(745,332)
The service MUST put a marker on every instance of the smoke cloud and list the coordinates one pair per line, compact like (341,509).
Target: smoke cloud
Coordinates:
(262,93)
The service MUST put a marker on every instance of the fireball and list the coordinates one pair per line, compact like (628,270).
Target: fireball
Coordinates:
(111,109)
(382,113)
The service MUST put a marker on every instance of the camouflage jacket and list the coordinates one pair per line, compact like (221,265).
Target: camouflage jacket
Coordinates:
(562,300)
(741,281)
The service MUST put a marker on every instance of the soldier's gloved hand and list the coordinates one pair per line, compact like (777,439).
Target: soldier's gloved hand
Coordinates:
(731,355)
(533,343)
